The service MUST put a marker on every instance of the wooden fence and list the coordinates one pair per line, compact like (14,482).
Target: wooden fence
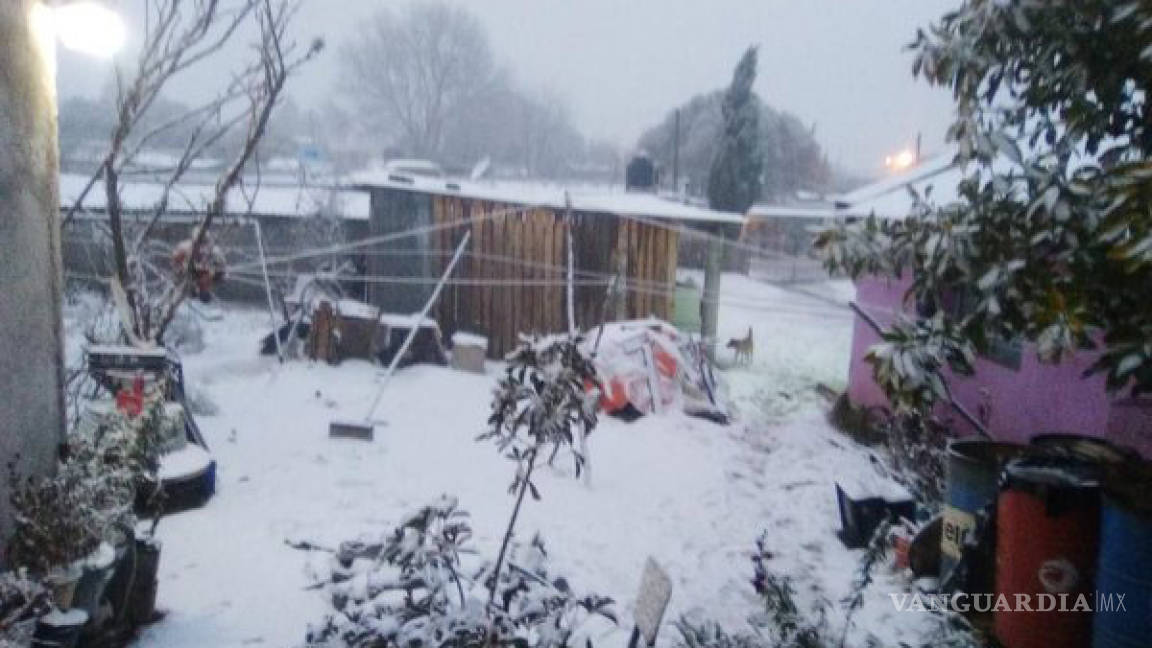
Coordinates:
(512,280)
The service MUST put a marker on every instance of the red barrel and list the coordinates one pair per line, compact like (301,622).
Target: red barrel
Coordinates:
(1047,535)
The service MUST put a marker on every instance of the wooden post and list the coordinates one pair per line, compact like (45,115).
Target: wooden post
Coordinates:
(710,305)
(571,266)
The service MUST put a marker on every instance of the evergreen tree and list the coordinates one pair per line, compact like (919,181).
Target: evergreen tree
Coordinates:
(792,159)
(734,182)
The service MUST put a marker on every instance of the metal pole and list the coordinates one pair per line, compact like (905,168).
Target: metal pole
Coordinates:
(268,289)
(416,325)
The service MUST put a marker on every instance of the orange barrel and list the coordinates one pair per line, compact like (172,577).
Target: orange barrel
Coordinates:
(1047,535)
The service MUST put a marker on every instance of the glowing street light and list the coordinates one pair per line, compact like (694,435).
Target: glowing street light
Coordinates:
(89,28)
(900,161)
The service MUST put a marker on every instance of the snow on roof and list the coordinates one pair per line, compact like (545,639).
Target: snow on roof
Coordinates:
(814,212)
(890,198)
(271,200)
(584,199)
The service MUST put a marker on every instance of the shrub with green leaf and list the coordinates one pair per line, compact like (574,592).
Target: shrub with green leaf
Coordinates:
(1051,238)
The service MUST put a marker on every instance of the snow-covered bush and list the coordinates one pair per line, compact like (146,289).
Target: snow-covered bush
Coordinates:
(781,623)
(54,520)
(90,498)
(709,634)
(422,586)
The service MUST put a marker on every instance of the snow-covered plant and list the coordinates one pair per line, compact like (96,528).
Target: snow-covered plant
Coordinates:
(918,453)
(91,496)
(1050,240)
(709,634)
(876,551)
(907,362)
(543,403)
(22,599)
(118,456)
(782,624)
(54,520)
(414,589)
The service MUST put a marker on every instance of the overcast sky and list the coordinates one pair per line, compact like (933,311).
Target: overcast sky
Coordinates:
(622,64)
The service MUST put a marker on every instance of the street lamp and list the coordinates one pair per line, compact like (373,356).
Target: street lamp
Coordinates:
(900,161)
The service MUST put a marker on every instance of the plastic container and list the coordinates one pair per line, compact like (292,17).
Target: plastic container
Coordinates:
(98,570)
(1047,538)
(973,484)
(59,629)
(1124,567)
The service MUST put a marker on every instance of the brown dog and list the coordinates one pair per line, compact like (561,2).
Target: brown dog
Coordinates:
(744,348)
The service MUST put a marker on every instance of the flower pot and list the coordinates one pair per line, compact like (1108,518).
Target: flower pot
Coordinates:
(98,569)
(119,586)
(62,582)
(142,598)
(59,629)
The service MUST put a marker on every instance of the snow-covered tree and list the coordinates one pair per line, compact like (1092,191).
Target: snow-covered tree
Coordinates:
(1051,240)
(734,181)
(792,158)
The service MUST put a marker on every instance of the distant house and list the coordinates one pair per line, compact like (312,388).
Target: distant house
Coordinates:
(513,279)
(291,217)
(1017,395)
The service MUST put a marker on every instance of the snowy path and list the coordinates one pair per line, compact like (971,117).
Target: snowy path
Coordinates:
(693,495)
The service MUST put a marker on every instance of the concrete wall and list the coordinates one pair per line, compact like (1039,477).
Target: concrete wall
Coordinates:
(1018,403)
(31,393)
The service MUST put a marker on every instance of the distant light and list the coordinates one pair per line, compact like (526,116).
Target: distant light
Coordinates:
(89,28)
(900,161)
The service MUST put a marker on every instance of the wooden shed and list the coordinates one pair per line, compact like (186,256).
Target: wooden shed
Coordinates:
(512,279)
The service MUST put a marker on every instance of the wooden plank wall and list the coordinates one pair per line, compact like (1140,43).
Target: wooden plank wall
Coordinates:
(507,298)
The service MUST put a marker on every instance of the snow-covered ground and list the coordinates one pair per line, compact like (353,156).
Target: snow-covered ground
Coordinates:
(689,493)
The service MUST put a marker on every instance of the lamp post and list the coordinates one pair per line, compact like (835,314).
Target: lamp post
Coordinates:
(31,332)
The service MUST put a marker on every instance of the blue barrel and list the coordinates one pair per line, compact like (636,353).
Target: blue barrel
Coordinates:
(973,484)
(1124,567)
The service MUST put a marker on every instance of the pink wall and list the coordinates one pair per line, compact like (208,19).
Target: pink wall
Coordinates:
(1017,403)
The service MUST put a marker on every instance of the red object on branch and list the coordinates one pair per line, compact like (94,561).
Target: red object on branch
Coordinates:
(207,267)
(131,401)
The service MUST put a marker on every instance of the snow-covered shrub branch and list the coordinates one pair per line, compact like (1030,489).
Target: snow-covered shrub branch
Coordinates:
(423,586)
(22,600)
(1050,240)
(91,497)
(547,398)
